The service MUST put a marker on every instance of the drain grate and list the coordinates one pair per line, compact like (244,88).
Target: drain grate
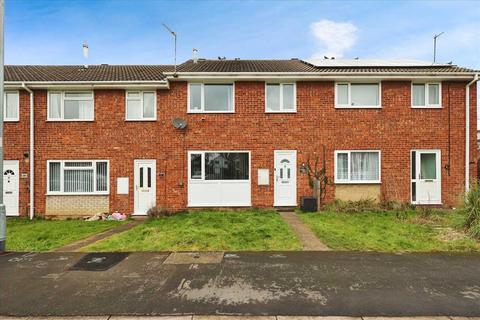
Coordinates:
(98,261)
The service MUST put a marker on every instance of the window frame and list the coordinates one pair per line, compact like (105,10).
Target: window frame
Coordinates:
(348,180)
(62,169)
(141,92)
(62,107)
(349,105)
(5,119)
(427,104)
(282,110)
(202,97)
(202,152)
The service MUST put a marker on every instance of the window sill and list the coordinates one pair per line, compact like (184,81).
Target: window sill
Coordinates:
(359,182)
(358,107)
(77,194)
(427,107)
(140,120)
(11,120)
(70,120)
(281,111)
(207,112)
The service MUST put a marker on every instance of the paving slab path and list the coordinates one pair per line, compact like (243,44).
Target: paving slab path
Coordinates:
(308,239)
(77,245)
(242,283)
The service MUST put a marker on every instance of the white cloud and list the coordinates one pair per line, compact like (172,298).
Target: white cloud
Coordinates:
(334,38)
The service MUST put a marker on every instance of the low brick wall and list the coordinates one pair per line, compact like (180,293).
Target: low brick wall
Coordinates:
(355,192)
(76,206)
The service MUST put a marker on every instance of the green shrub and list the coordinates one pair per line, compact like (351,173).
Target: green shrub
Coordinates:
(364,205)
(471,210)
(159,211)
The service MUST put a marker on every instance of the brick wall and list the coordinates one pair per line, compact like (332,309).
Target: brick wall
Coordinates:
(75,206)
(395,130)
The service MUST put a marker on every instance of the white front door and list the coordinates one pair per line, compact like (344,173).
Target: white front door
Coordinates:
(144,186)
(426,177)
(10,187)
(285,183)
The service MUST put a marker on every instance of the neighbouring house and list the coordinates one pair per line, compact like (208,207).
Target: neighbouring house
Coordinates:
(86,139)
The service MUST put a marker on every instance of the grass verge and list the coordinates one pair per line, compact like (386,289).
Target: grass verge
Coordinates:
(384,231)
(25,235)
(205,230)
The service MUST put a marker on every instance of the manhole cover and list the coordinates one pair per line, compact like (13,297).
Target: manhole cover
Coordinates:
(98,261)
(194,257)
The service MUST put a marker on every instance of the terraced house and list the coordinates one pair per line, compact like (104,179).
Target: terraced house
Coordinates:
(234,133)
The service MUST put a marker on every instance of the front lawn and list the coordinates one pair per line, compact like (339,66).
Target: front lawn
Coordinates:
(205,230)
(385,231)
(44,235)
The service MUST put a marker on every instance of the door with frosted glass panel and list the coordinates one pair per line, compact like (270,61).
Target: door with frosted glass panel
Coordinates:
(285,183)
(426,177)
(144,186)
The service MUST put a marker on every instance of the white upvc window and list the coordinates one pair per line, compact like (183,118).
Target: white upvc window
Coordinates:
(141,106)
(358,95)
(280,97)
(357,166)
(426,95)
(211,98)
(219,165)
(70,106)
(11,106)
(77,177)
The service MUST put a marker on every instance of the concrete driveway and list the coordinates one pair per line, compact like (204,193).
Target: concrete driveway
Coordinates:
(242,283)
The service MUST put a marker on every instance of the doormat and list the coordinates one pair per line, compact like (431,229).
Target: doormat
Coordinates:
(99,261)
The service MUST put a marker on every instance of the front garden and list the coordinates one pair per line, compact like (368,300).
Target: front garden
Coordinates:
(45,235)
(391,230)
(253,230)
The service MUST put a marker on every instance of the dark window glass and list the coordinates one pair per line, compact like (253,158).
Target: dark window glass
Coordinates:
(414,191)
(141,177)
(196,166)
(149,177)
(414,161)
(226,166)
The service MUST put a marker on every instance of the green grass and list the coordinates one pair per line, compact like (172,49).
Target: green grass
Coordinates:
(383,231)
(205,230)
(44,235)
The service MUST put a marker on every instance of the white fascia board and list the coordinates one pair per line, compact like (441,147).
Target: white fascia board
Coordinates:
(337,76)
(88,84)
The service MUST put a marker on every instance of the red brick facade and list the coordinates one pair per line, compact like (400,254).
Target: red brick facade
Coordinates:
(395,129)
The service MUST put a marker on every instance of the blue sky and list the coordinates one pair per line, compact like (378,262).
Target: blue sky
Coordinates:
(130,32)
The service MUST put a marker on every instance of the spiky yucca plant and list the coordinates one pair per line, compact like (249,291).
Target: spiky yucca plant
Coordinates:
(471,210)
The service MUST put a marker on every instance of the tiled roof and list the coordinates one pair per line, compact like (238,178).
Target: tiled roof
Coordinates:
(429,69)
(127,73)
(92,73)
(295,65)
(202,65)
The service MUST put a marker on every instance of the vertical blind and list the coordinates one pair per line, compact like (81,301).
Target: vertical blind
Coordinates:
(78,177)
(11,105)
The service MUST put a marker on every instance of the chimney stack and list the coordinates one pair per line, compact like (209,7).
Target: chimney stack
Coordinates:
(195,55)
(85,53)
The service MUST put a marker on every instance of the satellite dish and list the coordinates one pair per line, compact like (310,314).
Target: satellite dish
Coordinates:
(179,123)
